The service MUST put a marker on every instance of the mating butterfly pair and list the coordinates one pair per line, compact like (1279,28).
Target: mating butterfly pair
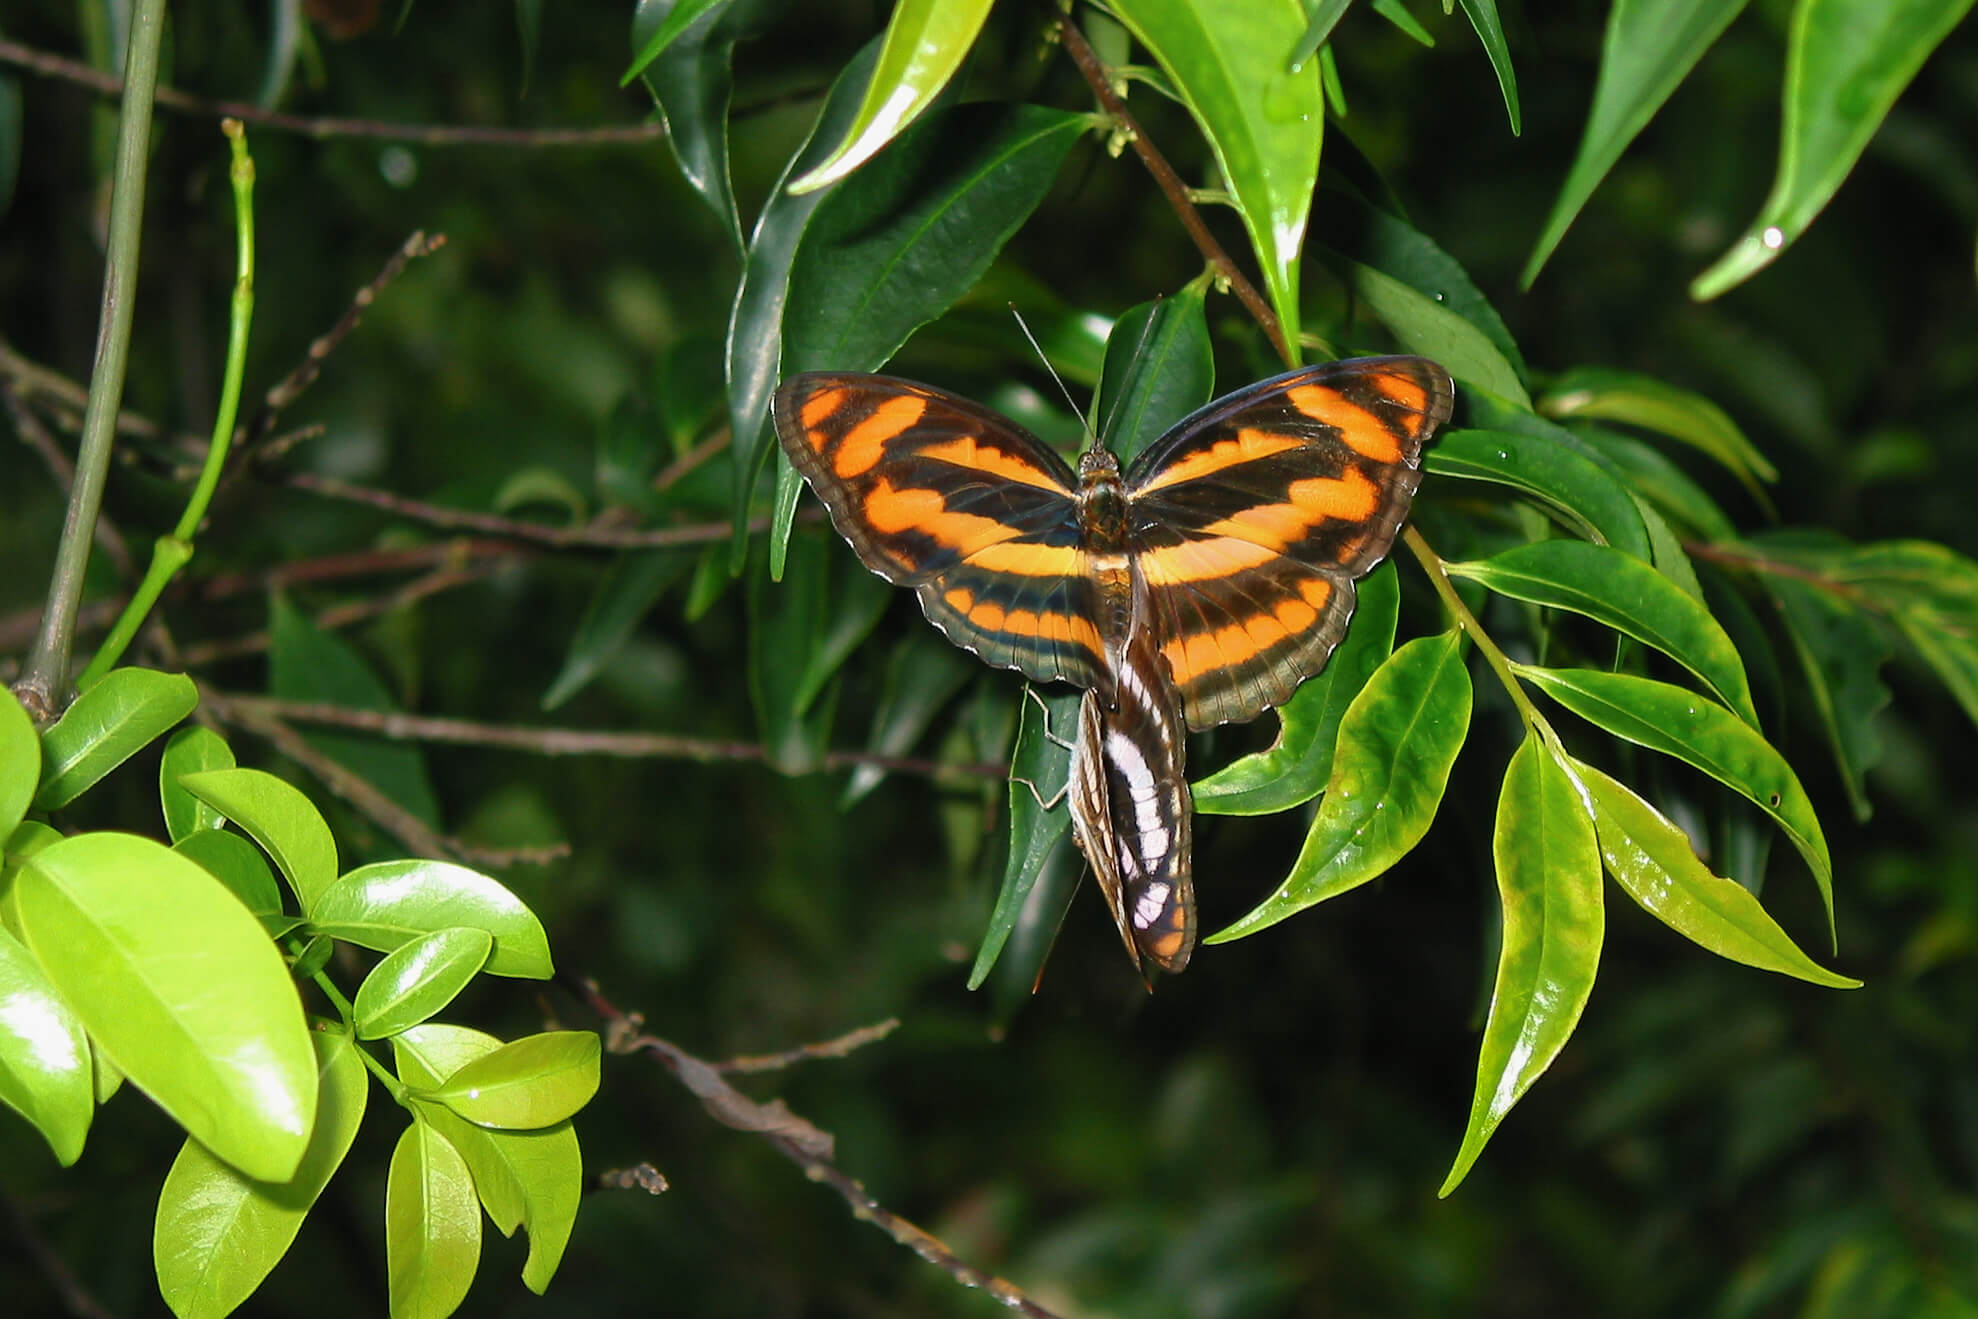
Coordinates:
(1200,587)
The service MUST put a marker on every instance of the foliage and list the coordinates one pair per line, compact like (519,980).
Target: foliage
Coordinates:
(1701,529)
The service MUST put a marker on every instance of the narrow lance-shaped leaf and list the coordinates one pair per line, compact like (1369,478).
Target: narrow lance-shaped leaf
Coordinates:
(1548,880)
(1038,771)
(689,73)
(1159,367)
(1627,595)
(1846,62)
(1692,728)
(1397,743)
(1424,325)
(1650,47)
(178,985)
(1841,651)
(1490,30)
(1605,394)
(1264,118)
(218,1233)
(1652,859)
(1567,480)
(107,725)
(926,41)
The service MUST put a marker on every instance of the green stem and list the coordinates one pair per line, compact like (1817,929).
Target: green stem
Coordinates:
(322,981)
(1499,662)
(173,552)
(44,681)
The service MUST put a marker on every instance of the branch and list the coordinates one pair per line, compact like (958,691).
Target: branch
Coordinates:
(1097,77)
(322,128)
(832,1048)
(568,741)
(798,1141)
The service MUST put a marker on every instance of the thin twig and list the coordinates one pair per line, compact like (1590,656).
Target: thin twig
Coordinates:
(833,1048)
(343,615)
(76,1298)
(801,1143)
(585,536)
(1176,192)
(572,741)
(324,127)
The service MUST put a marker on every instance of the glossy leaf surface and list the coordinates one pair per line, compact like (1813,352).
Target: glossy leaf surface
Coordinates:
(417,979)
(278,816)
(536,1081)
(390,903)
(432,1226)
(189,751)
(107,725)
(44,1055)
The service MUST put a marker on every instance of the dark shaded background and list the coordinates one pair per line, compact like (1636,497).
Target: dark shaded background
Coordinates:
(1264,1135)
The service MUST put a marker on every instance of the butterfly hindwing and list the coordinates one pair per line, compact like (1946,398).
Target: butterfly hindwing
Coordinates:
(1254,516)
(940,494)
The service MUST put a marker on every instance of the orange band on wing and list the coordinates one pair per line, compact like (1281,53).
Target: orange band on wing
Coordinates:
(1247,447)
(1351,497)
(821,405)
(991,461)
(1028,560)
(992,617)
(892,511)
(1229,647)
(1362,431)
(865,443)
(1203,560)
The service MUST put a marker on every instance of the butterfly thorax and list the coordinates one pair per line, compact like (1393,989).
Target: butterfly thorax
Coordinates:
(1102,524)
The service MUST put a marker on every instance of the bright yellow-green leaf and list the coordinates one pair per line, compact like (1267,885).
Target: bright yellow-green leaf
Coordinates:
(417,979)
(189,751)
(926,42)
(536,1081)
(20,761)
(278,816)
(432,1226)
(44,1056)
(175,981)
(108,724)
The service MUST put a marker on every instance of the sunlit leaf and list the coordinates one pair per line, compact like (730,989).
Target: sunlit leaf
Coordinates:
(44,1056)
(236,863)
(417,979)
(107,725)
(1548,882)
(390,903)
(276,815)
(218,1233)
(174,979)
(20,761)
(1038,771)
(432,1226)
(1639,400)
(189,751)
(536,1081)
(1397,743)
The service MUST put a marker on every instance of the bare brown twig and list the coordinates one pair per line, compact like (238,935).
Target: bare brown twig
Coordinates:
(324,127)
(1172,187)
(832,1048)
(570,741)
(798,1141)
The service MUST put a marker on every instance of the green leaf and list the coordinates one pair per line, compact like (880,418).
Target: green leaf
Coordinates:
(236,863)
(1566,479)
(176,982)
(1626,396)
(1651,46)
(219,1233)
(1548,881)
(189,751)
(531,1179)
(1038,771)
(1325,15)
(432,1226)
(536,1081)
(20,761)
(1627,595)
(1297,765)
(1682,724)
(1424,325)
(803,629)
(1263,118)
(922,675)
(308,663)
(1846,62)
(1490,30)
(1652,859)
(1653,477)
(391,903)
(1159,367)
(686,61)
(624,595)
(1841,651)
(1033,929)
(1397,13)
(44,1056)
(107,725)
(1397,743)
(926,41)
(276,815)
(417,979)
(755,326)
(1357,229)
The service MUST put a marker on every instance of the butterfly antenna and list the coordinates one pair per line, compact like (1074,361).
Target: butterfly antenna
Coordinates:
(1021,324)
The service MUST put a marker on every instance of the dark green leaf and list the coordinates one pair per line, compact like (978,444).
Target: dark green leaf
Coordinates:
(1651,46)
(1424,325)
(686,53)
(107,725)
(1846,62)
(922,675)
(1841,651)
(1548,880)
(1566,479)
(1655,478)
(1604,394)
(1397,743)
(1296,767)
(1037,774)
(625,594)
(1627,595)
(1159,368)
(1490,30)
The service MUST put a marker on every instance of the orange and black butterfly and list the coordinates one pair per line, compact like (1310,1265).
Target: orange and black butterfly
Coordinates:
(1199,587)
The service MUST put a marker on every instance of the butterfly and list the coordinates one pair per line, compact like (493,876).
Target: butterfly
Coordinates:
(1199,586)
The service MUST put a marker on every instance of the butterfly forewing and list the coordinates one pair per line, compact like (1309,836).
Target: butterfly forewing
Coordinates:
(939,494)
(1253,517)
